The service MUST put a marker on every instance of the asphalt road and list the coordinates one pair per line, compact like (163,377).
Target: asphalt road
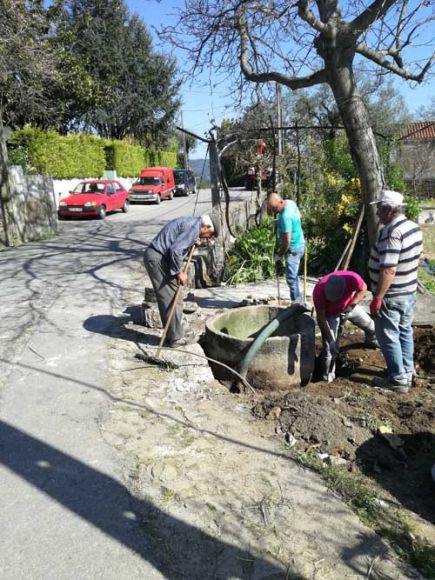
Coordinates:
(65,510)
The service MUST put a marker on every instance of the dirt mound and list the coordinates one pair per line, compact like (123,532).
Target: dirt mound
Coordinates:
(344,418)
(314,425)
(424,346)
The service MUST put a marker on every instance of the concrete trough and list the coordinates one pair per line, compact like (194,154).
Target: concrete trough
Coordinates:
(285,360)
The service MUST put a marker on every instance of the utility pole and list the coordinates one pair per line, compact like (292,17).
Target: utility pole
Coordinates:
(279,117)
(216,204)
(185,156)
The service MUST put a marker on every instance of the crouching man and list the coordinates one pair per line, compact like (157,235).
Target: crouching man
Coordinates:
(337,298)
(163,261)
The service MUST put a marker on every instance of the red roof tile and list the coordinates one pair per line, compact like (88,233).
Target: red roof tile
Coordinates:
(417,131)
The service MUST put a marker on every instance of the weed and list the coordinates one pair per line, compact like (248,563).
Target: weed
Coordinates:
(251,258)
(428,280)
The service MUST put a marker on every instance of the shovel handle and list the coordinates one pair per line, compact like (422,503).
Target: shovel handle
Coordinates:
(174,302)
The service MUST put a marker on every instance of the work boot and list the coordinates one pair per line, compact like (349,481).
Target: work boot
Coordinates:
(188,338)
(401,387)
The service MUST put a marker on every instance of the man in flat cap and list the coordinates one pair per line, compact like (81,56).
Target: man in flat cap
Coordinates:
(337,298)
(393,268)
(163,261)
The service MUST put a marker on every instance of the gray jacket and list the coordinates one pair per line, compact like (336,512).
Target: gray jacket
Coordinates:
(174,240)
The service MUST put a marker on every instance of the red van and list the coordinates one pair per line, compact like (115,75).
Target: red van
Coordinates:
(154,184)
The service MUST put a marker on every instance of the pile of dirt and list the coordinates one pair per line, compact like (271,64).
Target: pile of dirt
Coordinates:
(424,345)
(311,425)
(388,437)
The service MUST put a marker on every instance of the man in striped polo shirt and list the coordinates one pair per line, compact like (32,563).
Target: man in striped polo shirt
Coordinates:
(393,270)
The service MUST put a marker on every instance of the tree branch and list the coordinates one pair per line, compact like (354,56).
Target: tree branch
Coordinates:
(374,12)
(378,58)
(292,82)
(308,16)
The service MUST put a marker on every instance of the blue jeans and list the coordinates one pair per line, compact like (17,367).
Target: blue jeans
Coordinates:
(292,260)
(394,333)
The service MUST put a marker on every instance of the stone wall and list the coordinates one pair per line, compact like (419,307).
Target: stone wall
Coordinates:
(29,209)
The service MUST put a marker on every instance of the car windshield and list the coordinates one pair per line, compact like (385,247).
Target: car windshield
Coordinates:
(148,181)
(89,188)
(179,176)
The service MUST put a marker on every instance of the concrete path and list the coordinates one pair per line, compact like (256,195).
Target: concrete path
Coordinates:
(65,510)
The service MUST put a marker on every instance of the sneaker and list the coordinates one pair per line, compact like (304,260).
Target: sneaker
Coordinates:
(385,383)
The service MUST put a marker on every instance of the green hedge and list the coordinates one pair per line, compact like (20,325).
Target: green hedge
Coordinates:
(66,157)
(62,157)
(127,160)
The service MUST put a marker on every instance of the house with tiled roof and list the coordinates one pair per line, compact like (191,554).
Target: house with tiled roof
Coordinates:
(417,157)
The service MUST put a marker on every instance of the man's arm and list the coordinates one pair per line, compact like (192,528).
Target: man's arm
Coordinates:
(359,296)
(324,326)
(285,244)
(386,277)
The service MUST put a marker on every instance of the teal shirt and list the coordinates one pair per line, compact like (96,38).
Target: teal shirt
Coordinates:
(289,221)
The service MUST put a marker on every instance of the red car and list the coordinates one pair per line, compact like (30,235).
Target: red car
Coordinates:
(94,198)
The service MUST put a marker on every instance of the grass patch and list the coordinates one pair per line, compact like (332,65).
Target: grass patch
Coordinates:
(428,280)
(391,523)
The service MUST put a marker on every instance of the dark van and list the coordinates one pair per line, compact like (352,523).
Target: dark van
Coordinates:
(184,182)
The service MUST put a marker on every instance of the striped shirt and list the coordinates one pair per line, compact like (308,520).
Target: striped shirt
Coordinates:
(399,246)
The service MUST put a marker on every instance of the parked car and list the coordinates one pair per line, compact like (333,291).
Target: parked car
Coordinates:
(184,182)
(154,184)
(94,198)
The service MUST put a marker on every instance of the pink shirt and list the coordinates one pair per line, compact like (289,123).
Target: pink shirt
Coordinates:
(354,283)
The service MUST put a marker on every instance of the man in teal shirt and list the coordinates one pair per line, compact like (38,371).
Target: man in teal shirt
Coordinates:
(291,243)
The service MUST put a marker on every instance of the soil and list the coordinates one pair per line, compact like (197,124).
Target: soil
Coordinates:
(388,437)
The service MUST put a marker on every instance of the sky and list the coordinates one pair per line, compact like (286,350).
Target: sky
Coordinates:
(201,103)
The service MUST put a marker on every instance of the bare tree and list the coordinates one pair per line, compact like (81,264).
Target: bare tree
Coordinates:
(305,43)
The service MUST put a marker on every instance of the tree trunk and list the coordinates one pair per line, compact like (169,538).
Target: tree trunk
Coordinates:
(360,135)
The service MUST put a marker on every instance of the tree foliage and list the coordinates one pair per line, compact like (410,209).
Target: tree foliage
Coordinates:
(309,43)
(134,90)
(28,63)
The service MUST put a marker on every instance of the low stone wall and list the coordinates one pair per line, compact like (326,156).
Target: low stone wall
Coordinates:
(29,209)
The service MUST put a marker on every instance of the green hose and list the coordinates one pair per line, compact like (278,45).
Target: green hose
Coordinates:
(267,331)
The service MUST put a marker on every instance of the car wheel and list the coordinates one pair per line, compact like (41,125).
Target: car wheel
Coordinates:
(102,213)
(158,200)
(171,195)
(125,207)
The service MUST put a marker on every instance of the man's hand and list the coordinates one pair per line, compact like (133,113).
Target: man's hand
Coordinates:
(333,347)
(375,306)
(182,278)
(198,242)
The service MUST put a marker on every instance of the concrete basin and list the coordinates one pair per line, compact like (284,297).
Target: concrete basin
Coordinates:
(285,360)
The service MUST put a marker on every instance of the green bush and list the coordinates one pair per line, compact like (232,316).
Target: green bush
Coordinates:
(127,160)
(81,155)
(251,258)
(62,157)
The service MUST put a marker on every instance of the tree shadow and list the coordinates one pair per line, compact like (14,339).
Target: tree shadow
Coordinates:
(107,504)
(402,465)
